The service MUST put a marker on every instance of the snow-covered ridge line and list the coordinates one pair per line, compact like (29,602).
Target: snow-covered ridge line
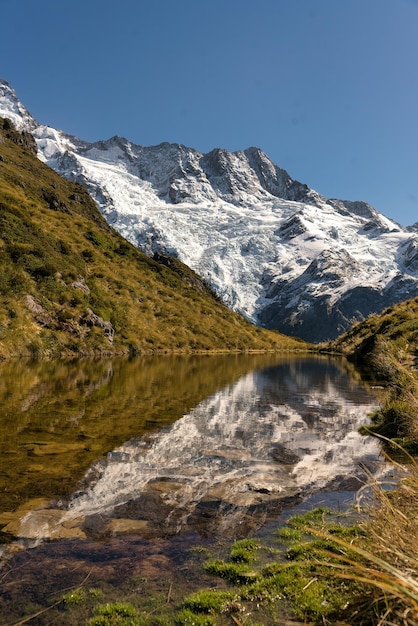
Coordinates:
(273,249)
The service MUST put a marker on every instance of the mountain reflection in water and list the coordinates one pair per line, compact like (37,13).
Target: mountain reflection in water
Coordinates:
(272,439)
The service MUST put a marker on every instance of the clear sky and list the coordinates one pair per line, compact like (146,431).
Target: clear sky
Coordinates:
(327,88)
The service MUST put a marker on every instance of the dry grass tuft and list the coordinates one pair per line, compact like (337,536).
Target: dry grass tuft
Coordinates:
(384,557)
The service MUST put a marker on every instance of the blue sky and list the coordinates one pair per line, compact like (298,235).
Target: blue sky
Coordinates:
(327,88)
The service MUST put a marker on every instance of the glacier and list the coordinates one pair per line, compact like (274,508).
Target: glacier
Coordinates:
(273,249)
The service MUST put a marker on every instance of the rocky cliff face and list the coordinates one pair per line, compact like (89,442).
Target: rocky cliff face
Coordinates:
(273,249)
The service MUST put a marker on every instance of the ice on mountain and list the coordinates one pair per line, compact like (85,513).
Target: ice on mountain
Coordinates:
(272,248)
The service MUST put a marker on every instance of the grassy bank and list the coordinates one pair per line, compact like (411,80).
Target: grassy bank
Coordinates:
(385,348)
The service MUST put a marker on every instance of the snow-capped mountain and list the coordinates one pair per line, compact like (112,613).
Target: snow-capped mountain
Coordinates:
(280,253)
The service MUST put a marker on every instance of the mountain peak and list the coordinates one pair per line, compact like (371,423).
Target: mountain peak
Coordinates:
(272,248)
(12,109)
(72,285)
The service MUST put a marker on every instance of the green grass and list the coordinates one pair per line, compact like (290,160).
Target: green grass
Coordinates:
(330,571)
(244,551)
(296,577)
(115,614)
(236,573)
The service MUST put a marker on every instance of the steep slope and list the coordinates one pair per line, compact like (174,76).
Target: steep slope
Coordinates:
(386,343)
(70,284)
(273,249)
(386,347)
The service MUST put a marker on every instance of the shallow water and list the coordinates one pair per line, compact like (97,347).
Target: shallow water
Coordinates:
(114,470)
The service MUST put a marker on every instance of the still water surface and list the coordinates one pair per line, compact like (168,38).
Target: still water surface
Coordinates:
(157,454)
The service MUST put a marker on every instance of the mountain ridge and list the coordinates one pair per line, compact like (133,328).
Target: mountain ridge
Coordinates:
(70,285)
(262,240)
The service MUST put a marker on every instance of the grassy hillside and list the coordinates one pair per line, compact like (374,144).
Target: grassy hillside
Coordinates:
(69,284)
(384,342)
(386,346)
